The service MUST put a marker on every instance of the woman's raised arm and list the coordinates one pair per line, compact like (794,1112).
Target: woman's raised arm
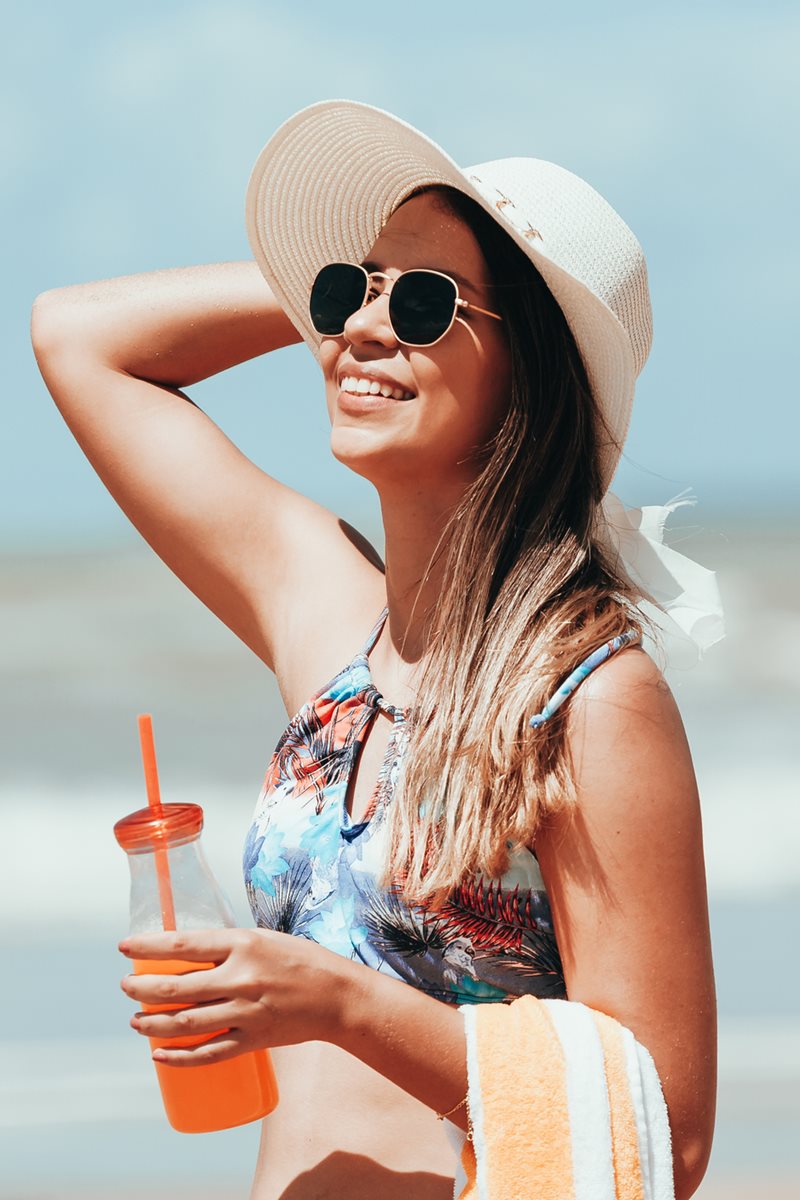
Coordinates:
(114,355)
(174,327)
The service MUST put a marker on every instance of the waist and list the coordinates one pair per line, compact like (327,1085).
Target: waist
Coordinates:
(341,1128)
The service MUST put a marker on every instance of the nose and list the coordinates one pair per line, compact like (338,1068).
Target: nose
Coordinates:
(370,323)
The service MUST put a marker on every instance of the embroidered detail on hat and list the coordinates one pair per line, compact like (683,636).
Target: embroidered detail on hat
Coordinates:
(530,232)
(504,201)
(475,177)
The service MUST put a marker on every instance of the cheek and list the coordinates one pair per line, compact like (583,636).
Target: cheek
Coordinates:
(456,427)
(473,405)
(330,353)
(495,392)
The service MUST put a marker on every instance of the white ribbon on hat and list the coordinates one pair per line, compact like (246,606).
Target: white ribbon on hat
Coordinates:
(679,595)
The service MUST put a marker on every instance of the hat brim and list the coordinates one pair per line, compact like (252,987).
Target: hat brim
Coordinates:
(327,182)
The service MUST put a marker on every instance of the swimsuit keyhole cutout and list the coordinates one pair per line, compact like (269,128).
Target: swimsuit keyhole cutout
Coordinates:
(371,754)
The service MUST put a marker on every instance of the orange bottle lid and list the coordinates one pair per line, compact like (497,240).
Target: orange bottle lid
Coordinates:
(159,826)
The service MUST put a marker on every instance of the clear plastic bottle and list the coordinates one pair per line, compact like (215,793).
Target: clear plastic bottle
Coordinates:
(172,887)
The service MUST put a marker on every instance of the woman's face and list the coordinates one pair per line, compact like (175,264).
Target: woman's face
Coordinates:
(460,385)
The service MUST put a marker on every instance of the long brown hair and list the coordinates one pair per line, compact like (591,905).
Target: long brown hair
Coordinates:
(529,596)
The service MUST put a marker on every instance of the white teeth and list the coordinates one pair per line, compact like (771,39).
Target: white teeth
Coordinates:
(371,387)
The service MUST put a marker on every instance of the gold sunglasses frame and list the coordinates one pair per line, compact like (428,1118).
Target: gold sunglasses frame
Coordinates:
(460,302)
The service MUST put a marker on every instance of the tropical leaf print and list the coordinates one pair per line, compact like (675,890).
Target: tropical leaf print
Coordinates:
(303,761)
(537,961)
(489,916)
(397,929)
(318,755)
(286,911)
(514,928)
(252,849)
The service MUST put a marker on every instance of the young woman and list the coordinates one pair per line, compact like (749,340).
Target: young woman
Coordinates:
(472,808)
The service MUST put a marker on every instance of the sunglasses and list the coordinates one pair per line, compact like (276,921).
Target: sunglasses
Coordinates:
(423,304)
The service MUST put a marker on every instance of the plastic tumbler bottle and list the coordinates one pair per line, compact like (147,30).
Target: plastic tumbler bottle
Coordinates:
(172,887)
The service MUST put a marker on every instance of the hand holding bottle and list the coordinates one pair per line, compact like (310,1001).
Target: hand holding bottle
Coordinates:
(265,989)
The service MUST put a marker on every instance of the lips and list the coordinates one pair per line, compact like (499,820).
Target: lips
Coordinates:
(359,403)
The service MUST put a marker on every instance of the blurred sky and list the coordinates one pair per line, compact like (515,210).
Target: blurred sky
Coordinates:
(129,135)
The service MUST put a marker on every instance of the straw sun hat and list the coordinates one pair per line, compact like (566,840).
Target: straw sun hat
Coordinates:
(326,183)
(329,178)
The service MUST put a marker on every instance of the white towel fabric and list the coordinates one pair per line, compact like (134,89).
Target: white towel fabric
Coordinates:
(562,1097)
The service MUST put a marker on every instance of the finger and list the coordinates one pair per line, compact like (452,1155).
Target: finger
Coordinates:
(163,990)
(225,1046)
(186,1022)
(197,945)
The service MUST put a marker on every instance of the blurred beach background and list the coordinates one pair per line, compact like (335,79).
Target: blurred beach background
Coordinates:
(128,138)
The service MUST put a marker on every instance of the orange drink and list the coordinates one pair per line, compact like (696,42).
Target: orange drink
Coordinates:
(215,1095)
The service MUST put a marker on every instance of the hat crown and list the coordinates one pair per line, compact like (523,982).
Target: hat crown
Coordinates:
(566,220)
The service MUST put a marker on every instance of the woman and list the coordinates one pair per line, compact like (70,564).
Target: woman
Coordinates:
(436,815)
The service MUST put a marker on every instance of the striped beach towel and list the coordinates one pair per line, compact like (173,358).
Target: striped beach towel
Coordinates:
(564,1104)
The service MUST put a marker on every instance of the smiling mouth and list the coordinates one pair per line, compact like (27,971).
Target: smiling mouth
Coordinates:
(366,387)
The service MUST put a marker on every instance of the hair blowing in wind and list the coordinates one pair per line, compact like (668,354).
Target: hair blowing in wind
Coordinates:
(528,596)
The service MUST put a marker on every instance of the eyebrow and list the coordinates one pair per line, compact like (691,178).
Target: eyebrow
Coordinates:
(460,280)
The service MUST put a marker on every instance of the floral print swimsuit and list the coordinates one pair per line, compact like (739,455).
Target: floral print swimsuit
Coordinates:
(310,871)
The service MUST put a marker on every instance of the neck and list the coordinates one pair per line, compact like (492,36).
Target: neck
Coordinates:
(413,525)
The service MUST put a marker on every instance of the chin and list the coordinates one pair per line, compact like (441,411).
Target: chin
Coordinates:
(359,449)
(372,456)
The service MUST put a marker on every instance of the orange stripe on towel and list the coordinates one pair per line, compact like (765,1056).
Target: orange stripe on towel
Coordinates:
(470,1165)
(624,1138)
(526,1114)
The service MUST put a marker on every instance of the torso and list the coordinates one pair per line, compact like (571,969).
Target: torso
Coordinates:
(381,1141)
(342,1129)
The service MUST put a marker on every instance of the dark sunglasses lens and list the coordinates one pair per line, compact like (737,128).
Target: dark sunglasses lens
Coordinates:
(337,292)
(421,306)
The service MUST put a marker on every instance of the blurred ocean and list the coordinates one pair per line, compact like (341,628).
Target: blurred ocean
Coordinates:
(92,639)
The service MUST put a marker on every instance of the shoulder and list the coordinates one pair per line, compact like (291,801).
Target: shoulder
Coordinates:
(636,793)
(624,712)
(629,674)
(624,865)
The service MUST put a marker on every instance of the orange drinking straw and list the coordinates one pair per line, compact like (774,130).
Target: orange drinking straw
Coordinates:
(154,800)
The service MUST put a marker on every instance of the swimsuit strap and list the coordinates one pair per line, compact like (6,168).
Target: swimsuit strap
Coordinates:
(396,713)
(373,637)
(581,671)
